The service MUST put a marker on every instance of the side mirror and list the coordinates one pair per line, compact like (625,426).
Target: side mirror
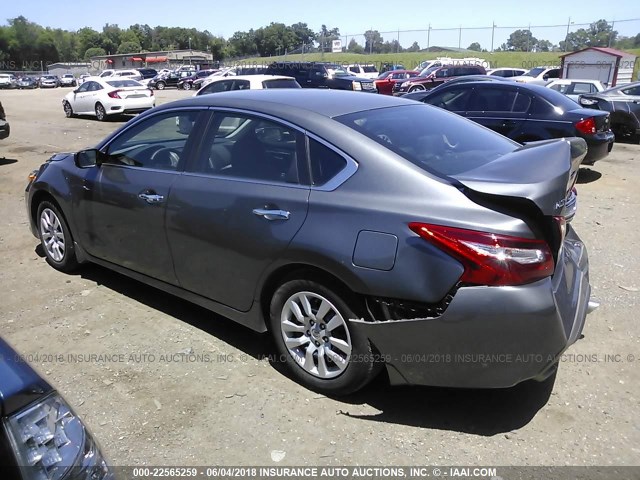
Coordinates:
(88,158)
(545,77)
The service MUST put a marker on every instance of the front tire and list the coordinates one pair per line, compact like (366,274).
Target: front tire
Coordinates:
(160,85)
(68,111)
(101,113)
(311,327)
(186,86)
(55,238)
(417,88)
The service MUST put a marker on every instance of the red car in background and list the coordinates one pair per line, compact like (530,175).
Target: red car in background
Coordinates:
(384,83)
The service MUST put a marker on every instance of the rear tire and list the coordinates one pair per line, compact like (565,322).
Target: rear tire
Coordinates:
(55,238)
(186,86)
(101,113)
(311,328)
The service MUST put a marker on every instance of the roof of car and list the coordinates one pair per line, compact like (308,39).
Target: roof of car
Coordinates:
(325,102)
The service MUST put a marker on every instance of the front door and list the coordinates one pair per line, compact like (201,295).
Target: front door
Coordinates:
(125,198)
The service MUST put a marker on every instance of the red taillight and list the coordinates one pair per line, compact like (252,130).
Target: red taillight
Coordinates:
(489,258)
(587,126)
(114,94)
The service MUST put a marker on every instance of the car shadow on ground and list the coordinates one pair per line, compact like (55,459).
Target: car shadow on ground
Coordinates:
(7,161)
(586,175)
(252,343)
(484,412)
(108,118)
(479,412)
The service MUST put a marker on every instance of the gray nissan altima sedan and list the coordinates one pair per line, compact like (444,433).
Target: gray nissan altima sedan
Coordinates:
(363,231)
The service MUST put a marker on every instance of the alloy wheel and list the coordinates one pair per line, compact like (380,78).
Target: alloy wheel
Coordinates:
(52,235)
(316,335)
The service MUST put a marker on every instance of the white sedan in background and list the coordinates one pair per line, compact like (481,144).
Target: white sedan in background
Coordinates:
(103,97)
(573,88)
(246,82)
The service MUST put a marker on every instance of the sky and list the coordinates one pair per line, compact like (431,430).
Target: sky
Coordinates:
(351,17)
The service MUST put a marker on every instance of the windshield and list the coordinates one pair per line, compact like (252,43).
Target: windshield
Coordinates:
(431,138)
(370,69)
(428,71)
(337,71)
(124,83)
(534,72)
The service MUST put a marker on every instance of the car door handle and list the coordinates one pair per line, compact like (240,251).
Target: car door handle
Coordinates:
(151,197)
(271,214)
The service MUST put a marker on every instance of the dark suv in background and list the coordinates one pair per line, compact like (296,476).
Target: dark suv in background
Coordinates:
(321,75)
(432,77)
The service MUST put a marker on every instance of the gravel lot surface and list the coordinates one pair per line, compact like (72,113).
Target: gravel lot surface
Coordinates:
(186,387)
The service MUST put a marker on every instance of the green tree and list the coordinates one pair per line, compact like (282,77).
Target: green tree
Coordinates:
(373,41)
(354,47)
(129,47)
(475,46)
(94,52)
(304,35)
(326,36)
(522,41)
(599,34)
(415,47)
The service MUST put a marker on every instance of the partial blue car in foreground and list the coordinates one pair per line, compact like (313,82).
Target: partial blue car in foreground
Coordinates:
(362,231)
(41,437)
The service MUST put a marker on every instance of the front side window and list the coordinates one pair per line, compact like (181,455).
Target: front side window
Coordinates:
(252,148)
(454,100)
(216,87)
(158,142)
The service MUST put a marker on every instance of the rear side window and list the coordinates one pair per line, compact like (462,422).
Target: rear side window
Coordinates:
(325,162)
(436,141)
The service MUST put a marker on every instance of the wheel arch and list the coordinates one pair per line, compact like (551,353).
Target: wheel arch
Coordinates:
(309,272)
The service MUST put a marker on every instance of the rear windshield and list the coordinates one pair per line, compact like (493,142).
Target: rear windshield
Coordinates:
(124,83)
(281,83)
(534,72)
(559,100)
(431,138)
(370,69)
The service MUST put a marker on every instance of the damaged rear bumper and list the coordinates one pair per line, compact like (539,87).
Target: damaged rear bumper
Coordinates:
(491,337)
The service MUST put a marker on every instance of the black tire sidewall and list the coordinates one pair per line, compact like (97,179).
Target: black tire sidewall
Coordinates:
(69,261)
(104,116)
(361,367)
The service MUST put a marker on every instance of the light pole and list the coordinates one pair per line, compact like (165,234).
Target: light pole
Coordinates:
(566,38)
(190,53)
(493,32)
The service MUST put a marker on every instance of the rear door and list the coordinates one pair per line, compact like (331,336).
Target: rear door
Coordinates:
(496,107)
(238,206)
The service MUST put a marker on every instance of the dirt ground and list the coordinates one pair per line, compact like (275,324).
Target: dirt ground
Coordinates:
(182,386)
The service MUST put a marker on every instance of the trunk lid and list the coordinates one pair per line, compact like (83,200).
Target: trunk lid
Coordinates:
(543,172)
